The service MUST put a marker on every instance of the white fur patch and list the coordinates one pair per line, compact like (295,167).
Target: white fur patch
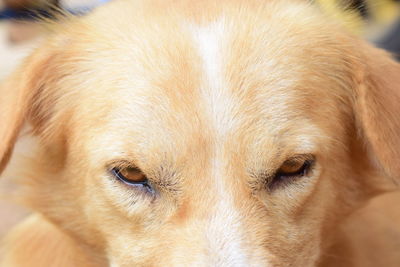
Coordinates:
(113,264)
(219,103)
(224,233)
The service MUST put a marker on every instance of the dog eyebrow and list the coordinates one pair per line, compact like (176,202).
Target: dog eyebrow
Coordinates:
(166,178)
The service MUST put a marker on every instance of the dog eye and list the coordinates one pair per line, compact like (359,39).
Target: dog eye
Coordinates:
(292,168)
(131,176)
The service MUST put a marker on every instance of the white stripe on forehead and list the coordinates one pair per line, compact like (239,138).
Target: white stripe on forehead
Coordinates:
(224,235)
(219,104)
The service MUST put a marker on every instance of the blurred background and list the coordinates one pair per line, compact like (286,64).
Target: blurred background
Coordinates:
(376,20)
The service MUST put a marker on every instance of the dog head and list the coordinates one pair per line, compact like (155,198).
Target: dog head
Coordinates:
(230,134)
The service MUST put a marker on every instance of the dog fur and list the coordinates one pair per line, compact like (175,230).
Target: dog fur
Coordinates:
(208,99)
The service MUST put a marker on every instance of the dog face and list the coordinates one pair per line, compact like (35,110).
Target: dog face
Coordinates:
(170,138)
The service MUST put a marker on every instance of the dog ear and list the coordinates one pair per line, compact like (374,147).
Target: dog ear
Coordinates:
(19,95)
(377,107)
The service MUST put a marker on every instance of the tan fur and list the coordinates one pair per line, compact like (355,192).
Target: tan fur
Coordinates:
(57,248)
(208,99)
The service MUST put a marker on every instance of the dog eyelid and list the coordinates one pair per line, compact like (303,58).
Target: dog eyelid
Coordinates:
(295,167)
(131,176)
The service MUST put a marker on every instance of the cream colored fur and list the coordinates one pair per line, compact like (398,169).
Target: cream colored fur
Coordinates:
(208,99)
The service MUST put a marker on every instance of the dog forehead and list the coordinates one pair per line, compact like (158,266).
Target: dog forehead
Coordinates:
(207,93)
(265,55)
(182,81)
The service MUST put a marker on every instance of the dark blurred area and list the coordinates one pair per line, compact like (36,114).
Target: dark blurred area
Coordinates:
(389,38)
(26,4)
(376,20)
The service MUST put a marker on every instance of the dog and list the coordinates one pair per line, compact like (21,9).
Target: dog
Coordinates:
(203,133)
